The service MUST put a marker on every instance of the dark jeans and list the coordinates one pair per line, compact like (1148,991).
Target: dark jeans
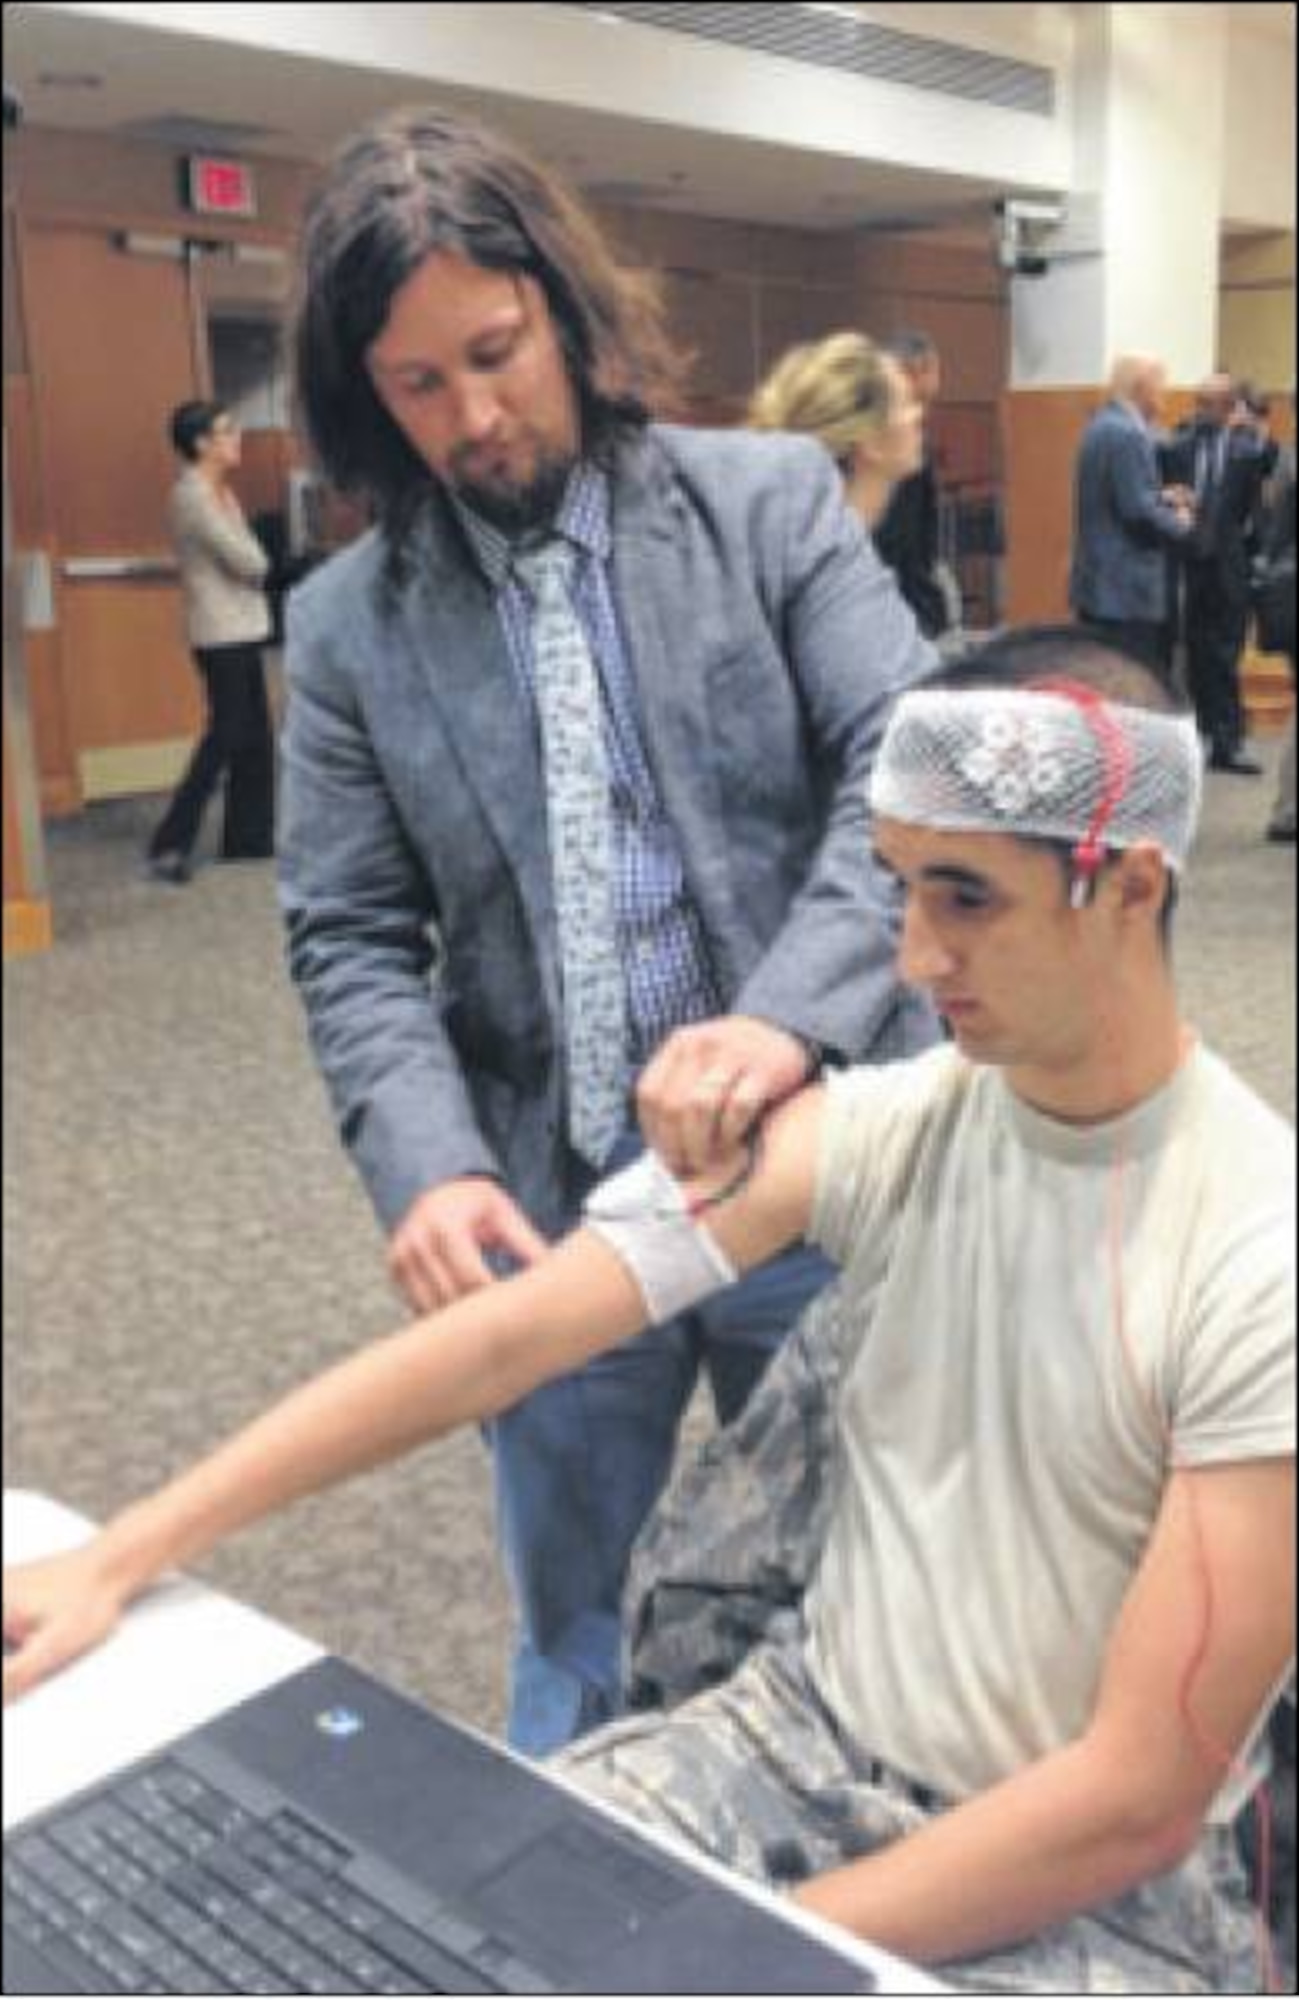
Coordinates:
(579,1465)
(237,745)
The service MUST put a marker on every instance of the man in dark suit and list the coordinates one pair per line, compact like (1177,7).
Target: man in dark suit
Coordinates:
(1123,522)
(574,805)
(907,536)
(1220,461)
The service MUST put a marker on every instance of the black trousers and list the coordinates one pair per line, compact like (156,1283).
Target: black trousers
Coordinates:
(236,745)
(1215,615)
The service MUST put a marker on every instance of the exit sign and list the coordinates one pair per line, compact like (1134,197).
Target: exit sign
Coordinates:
(219,187)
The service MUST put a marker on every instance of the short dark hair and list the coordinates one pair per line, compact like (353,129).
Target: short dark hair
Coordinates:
(1025,655)
(190,423)
(911,345)
(420,182)
(1029,655)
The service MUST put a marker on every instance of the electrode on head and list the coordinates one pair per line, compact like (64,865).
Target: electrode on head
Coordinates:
(1052,762)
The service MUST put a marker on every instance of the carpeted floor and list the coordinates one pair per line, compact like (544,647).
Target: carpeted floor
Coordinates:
(183,1237)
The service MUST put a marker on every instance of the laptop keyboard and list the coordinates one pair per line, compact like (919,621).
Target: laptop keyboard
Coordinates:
(164,1884)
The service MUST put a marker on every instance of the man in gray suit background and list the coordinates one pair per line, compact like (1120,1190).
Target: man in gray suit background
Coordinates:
(1124,522)
(573,813)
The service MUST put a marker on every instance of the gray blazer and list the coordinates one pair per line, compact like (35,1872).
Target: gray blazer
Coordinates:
(766,640)
(1121,526)
(223,567)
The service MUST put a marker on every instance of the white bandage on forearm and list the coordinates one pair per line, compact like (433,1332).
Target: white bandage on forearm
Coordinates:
(641,1213)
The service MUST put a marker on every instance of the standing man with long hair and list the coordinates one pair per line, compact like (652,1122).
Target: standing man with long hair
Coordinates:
(573,823)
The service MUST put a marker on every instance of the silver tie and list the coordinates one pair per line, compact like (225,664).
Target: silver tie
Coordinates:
(581,854)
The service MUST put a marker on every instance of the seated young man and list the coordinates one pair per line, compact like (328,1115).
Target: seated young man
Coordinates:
(1056,1595)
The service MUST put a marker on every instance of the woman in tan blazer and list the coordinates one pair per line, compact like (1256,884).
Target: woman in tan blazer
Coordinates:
(223,572)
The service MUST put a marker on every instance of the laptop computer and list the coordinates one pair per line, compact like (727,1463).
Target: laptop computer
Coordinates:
(330,1836)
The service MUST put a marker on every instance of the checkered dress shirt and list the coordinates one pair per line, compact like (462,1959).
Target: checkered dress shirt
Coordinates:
(660,938)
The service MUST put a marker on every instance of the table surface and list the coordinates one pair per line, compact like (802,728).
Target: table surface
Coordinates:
(183,1653)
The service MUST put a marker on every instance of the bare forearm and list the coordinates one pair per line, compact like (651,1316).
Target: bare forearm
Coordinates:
(1047,1844)
(458,1366)
(368,1409)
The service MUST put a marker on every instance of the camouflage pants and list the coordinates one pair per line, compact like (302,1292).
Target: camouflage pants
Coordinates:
(757,1773)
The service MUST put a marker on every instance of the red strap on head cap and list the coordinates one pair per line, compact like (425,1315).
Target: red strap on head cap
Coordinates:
(1116,755)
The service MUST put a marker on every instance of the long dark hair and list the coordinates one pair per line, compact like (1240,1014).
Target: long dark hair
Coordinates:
(423,181)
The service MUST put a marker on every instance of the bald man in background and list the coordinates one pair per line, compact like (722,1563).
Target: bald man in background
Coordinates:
(1124,520)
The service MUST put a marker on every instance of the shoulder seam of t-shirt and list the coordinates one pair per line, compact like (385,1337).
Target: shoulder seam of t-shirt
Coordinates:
(923,1082)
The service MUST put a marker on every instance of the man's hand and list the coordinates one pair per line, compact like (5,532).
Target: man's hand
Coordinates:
(435,1253)
(1182,501)
(55,1610)
(709,1084)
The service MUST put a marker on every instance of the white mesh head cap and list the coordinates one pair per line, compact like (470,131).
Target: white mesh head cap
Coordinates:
(1041,763)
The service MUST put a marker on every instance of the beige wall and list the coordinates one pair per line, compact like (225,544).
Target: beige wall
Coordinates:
(1256,309)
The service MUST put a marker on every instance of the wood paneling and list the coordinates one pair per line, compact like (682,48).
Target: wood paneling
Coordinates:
(737,294)
(15,332)
(130,679)
(1266,690)
(1041,429)
(56,759)
(971,335)
(15,878)
(52,745)
(28,927)
(102,405)
(26,910)
(119,668)
(802,257)
(712,318)
(1041,432)
(29,516)
(965,443)
(788,314)
(262,481)
(911,265)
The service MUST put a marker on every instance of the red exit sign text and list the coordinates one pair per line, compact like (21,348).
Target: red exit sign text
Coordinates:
(220,187)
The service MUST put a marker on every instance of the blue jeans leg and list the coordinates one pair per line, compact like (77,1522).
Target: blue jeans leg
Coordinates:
(580,1463)
(740,1330)
(578,1466)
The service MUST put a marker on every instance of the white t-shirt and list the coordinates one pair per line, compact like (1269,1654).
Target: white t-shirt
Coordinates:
(1002,1469)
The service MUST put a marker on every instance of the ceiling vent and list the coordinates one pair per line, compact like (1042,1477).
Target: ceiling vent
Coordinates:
(185,134)
(826,38)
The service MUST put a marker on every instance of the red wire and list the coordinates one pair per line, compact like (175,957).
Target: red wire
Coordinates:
(1215,1753)
(1116,753)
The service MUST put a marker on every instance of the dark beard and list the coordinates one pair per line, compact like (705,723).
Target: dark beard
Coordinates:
(518,511)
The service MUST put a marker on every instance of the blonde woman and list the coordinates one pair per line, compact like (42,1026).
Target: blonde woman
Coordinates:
(858,400)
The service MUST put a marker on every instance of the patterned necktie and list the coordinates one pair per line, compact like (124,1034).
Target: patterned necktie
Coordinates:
(581,854)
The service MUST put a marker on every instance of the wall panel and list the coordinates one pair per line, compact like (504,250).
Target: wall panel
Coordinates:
(127,659)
